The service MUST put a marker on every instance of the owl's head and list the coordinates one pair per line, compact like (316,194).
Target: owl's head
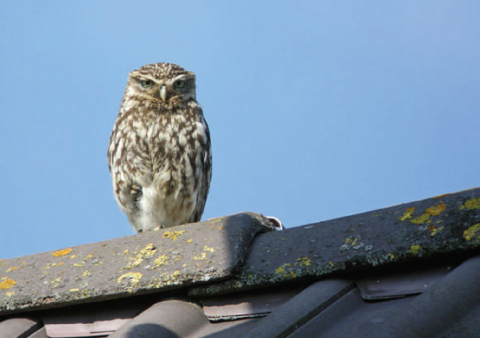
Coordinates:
(162,81)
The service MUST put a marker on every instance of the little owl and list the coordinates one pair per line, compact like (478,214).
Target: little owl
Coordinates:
(159,154)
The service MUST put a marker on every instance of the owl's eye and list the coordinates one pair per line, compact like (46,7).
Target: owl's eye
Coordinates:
(179,84)
(146,83)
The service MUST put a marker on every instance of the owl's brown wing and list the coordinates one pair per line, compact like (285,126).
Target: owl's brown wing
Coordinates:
(128,162)
(206,178)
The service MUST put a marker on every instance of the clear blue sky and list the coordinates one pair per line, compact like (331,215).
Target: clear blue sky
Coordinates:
(317,109)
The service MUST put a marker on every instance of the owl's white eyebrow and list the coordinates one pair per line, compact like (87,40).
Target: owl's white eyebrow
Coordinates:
(146,77)
(182,76)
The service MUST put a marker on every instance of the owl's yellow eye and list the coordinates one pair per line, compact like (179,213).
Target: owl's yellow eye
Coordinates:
(146,83)
(179,83)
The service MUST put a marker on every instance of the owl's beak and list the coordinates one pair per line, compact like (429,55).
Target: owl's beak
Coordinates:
(163,93)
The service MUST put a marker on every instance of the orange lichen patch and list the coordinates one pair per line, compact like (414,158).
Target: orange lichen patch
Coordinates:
(473,203)
(472,233)
(173,235)
(407,214)
(436,209)
(60,253)
(12,268)
(7,284)
(60,263)
(415,249)
(424,218)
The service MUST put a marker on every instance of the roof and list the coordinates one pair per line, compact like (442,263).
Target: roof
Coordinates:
(410,270)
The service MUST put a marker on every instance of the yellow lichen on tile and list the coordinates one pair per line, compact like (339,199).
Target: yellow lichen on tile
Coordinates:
(331,264)
(473,203)
(189,241)
(86,273)
(148,251)
(60,253)
(472,233)
(436,209)
(7,284)
(415,249)
(282,267)
(434,231)
(391,256)
(424,218)
(208,249)
(10,294)
(303,261)
(351,241)
(131,278)
(173,235)
(407,214)
(175,274)
(162,260)
(73,256)
(12,268)
(201,256)
(78,264)
(74,290)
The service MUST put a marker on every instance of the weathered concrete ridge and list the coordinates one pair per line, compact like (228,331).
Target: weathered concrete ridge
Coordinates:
(439,227)
(231,253)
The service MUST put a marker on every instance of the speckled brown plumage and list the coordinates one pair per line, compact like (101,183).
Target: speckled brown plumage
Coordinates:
(160,154)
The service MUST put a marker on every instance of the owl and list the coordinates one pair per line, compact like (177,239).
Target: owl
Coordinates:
(159,154)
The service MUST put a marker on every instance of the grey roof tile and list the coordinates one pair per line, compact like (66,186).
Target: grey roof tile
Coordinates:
(401,281)
(300,309)
(19,327)
(449,305)
(170,318)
